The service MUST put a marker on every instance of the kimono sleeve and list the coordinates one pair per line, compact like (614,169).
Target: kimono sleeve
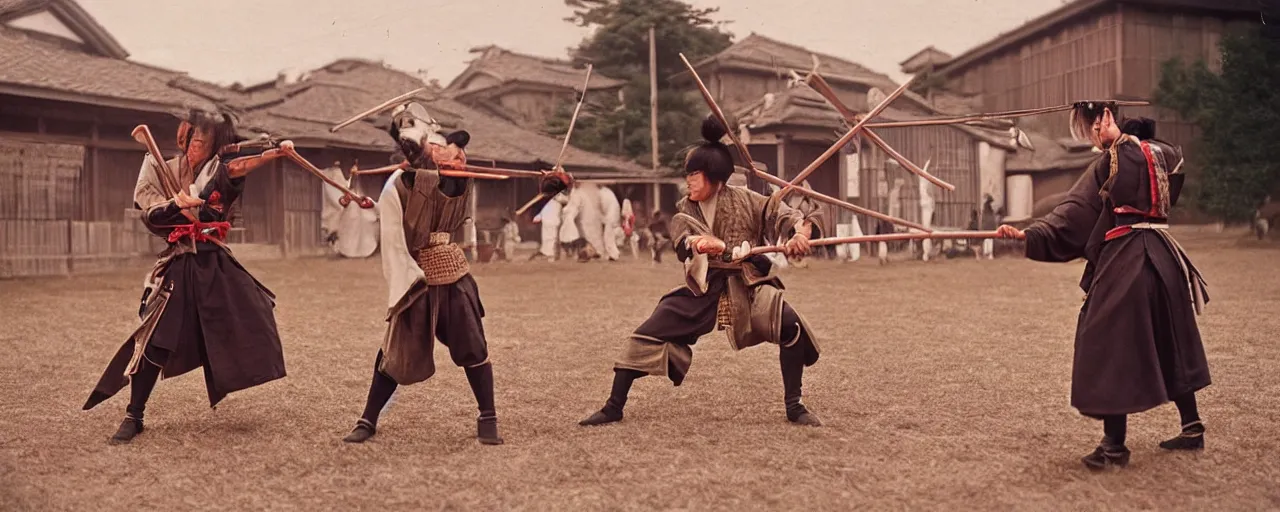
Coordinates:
(220,193)
(1063,234)
(777,218)
(680,232)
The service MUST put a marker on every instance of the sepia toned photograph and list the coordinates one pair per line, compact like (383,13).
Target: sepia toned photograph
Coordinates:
(639,255)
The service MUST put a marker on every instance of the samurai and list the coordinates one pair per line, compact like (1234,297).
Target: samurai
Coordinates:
(200,307)
(1137,342)
(741,297)
(432,295)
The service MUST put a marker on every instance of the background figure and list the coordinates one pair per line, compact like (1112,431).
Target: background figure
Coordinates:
(570,237)
(883,227)
(660,236)
(508,237)
(550,217)
(973,226)
(331,210)
(590,218)
(629,228)
(988,222)
(469,238)
(926,214)
(612,212)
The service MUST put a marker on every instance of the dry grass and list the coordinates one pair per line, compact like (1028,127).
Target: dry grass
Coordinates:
(943,386)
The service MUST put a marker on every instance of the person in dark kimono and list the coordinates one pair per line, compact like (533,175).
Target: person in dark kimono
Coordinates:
(1137,343)
(432,295)
(200,307)
(740,296)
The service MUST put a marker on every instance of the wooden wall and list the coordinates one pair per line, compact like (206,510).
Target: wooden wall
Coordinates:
(952,157)
(1076,61)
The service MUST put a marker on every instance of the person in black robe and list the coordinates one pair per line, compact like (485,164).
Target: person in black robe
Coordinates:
(200,307)
(1137,344)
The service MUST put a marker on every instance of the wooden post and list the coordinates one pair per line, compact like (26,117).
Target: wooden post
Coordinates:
(653,97)
(781,171)
(653,115)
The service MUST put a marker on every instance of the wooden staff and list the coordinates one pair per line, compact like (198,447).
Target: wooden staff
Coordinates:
(376,110)
(891,237)
(168,180)
(292,153)
(820,85)
(746,155)
(853,132)
(468,173)
(564,146)
(992,116)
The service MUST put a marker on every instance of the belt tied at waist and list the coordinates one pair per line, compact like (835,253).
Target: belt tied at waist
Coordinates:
(1125,229)
(438,238)
(441,261)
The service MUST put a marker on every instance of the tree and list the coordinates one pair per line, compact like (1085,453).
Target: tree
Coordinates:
(1238,112)
(619,48)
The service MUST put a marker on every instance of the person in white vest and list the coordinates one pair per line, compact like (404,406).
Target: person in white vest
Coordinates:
(550,218)
(612,213)
(570,237)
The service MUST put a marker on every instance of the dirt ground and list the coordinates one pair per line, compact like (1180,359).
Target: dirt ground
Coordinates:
(943,385)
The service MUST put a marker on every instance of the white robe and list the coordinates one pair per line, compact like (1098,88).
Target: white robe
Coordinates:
(590,215)
(612,211)
(926,213)
(569,220)
(550,218)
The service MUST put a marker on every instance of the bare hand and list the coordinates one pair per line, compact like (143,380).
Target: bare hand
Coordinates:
(798,245)
(707,245)
(185,201)
(1007,231)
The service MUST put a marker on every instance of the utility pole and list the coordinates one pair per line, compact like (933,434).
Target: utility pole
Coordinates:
(653,113)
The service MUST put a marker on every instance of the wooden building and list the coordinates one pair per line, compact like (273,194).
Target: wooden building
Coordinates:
(68,103)
(1096,49)
(304,111)
(524,89)
(788,125)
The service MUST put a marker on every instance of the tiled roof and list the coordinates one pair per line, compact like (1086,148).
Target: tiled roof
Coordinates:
(334,93)
(36,63)
(506,66)
(765,53)
(802,106)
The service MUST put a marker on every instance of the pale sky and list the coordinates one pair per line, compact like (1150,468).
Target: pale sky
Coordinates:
(250,41)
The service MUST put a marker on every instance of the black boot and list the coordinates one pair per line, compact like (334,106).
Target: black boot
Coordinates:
(141,384)
(1191,438)
(363,431)
(129,428)
(612,411)
(1107,454)
(1111,452)
(792,360)
(380,391)
(481,379)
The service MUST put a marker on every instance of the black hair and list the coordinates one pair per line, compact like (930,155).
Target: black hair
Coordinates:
(1141,127)
(220,125)
(459,138)
(1085,113)
(711,157)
